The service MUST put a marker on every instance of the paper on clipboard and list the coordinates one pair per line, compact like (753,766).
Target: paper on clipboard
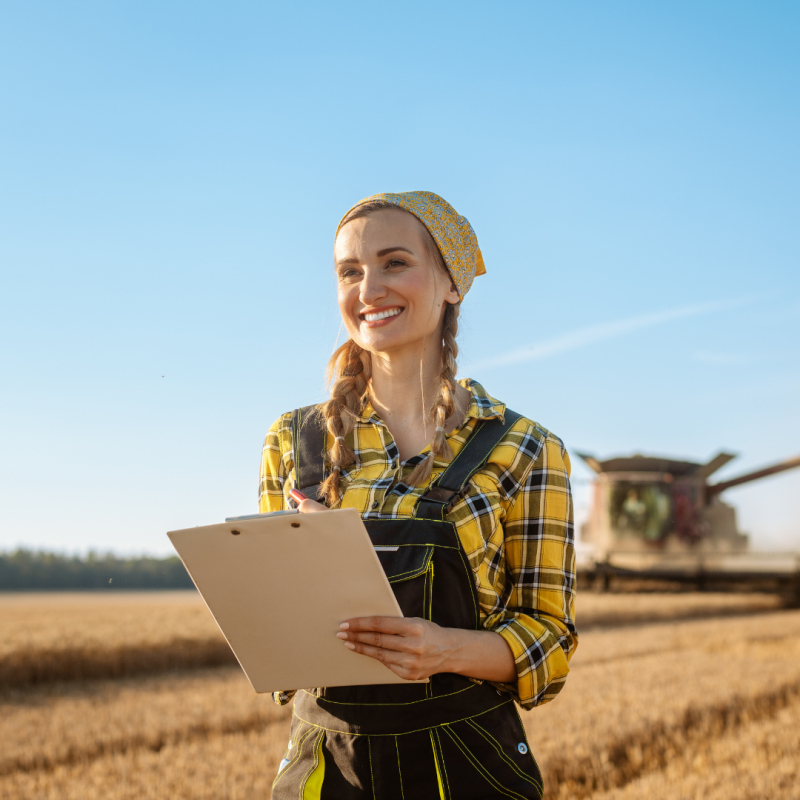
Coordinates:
(280,585)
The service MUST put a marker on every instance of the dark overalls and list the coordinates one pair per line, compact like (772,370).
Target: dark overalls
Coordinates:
(449,738)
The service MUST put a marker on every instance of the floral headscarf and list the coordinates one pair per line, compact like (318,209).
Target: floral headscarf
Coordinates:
(452,233)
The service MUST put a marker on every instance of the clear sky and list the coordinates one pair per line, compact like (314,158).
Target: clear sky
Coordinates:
(171,176)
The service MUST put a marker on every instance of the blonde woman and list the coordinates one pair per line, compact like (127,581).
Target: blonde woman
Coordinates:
(470,505)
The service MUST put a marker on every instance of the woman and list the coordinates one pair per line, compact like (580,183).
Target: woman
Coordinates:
(470,505)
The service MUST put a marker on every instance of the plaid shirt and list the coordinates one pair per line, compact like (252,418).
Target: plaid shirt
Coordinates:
(514,523)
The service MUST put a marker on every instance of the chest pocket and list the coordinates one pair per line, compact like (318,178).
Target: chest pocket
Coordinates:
(410,572)
(404,562)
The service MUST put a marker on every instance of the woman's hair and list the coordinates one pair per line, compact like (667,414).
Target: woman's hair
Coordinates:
(349,371)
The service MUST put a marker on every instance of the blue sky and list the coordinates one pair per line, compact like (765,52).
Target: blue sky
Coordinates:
(171,176)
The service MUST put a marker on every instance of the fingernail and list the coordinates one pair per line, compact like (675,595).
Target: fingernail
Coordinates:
(350,645)
(341,635)
(297,496)
(344,626)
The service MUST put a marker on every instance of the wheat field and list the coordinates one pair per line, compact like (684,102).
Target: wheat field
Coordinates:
(670,696)
(83,635)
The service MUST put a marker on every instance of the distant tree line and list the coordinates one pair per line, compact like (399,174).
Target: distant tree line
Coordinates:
(22,570)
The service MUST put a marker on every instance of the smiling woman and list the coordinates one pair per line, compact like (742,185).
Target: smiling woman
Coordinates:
(451,483)
(393,300)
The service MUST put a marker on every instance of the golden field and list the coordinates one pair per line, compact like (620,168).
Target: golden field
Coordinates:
(85,635)
(670,696)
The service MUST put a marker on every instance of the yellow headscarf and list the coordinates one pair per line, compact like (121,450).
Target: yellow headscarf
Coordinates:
(452,233)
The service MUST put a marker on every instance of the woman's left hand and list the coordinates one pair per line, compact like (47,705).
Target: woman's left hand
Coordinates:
(411,647)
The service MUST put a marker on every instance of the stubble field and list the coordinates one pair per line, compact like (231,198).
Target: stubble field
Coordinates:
(135,696)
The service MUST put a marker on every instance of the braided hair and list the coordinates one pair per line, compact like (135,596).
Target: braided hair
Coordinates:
(349,371)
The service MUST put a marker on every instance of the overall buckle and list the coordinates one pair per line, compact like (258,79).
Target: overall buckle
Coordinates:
(434,503)
(439,494)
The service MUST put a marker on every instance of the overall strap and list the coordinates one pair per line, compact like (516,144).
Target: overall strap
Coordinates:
(308,447)
(475,453)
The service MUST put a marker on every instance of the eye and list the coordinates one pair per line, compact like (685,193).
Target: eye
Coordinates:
(347,273)
(395,262)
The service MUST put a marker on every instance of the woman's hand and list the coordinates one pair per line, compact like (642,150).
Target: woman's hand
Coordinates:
(304,504)
(412,648)
(415,648)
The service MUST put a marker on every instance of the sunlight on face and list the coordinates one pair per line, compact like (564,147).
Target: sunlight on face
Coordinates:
(392,293)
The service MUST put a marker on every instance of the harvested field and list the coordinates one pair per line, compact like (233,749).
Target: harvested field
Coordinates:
(638,697)
(240,766)
(605,610)
(132,714)
(754,762)
(79,636)
(101,619)
(704,703)
(82,635)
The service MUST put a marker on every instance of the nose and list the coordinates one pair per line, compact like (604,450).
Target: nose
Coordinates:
(372,289)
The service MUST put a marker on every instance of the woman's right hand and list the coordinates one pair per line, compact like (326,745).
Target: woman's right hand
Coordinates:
(304,504)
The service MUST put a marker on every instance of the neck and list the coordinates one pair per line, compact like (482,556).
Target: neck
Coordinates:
(403,388)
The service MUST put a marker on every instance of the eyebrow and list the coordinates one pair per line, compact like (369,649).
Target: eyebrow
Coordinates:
(380,254)
(387,250)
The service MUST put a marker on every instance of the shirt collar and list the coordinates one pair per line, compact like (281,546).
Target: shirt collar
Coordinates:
(481,405)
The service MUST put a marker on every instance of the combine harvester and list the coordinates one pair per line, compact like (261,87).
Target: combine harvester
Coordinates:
(655,519)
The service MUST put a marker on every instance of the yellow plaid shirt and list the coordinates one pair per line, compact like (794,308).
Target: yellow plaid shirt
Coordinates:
(514,523)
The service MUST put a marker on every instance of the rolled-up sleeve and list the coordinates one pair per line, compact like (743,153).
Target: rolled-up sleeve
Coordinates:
(538,621)
(274,468)
(271,480)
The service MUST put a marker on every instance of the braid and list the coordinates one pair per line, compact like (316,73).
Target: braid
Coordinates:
(348,372)
(350,366)
(445,403)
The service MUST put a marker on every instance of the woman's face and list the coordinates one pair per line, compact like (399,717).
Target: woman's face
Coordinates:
(392,294)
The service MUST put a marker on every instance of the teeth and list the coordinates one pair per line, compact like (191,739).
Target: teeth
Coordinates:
(393,312)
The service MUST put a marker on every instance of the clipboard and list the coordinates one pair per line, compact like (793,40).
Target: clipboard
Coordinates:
(279,585)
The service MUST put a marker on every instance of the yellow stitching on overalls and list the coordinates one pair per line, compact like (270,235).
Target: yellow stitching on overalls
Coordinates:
(479,768)
(471,574)
(314,765)
(402,543)
(444,766)
(430,593)
(299,746)
(429,617)
(399,770)
(413,544)
(421,544)
(496,745)
(371,774)
(412,573)
(436,767)
(410,703)
(316,780)
(460,550)
(403,733)
(525,735)
(405,576)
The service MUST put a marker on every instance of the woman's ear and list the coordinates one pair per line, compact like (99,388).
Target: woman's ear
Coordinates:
(452,295)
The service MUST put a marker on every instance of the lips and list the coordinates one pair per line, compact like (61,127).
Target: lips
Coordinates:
(380,314)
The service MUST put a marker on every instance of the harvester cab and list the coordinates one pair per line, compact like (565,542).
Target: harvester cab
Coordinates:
(649,511)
